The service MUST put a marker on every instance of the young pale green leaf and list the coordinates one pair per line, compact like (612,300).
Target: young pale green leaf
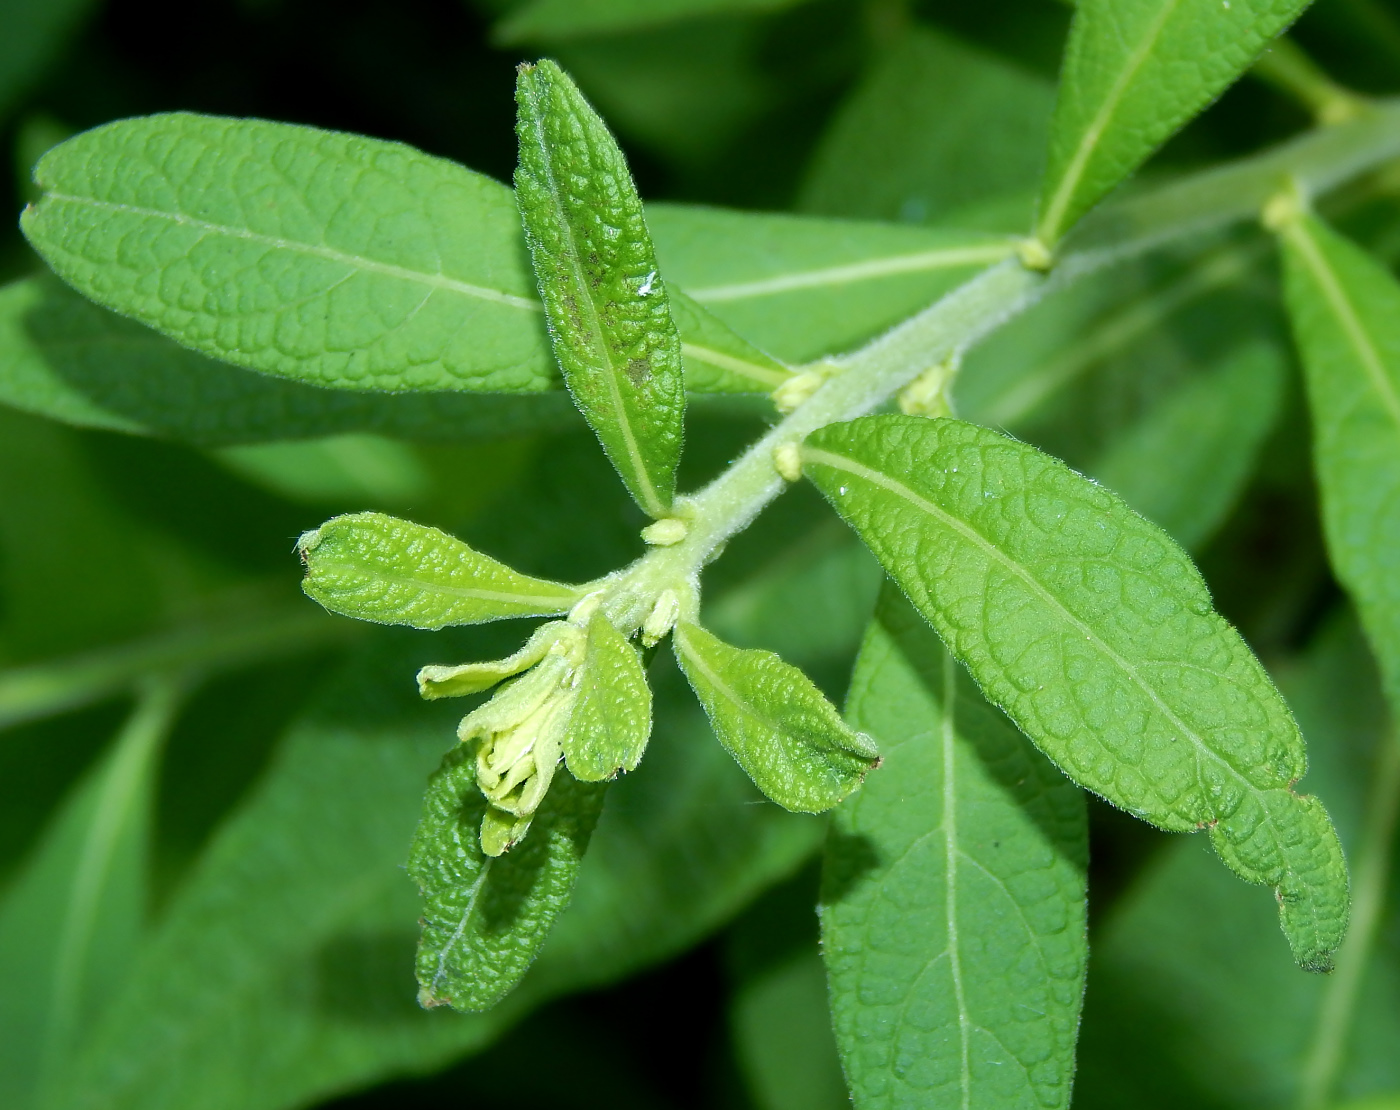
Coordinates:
(775,722)
(484,918)
(717,360)
(953,909)
(65,358)
(437,681)
(608,315)
(1346,315)
(644,892)
(1134,72)
(801,287)
(557,19)
(73,921)
(1094,632)
(328,258)
(611,719)
(1184,464)
(282,971)
(937,126)
(379,568)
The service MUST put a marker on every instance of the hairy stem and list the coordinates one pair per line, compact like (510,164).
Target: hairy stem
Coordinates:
(1196,205)
(1286,67)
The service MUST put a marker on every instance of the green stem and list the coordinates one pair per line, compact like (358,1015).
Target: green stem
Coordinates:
(1316,162)
(27,693)
(1372,869)
(1286,67)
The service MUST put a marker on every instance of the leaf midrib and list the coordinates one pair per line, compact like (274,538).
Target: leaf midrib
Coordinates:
(951,850)
(354,261)
(859,470)
(446,951)
(1088,143)
(560,602)
(651,501)
(730,694)
(941,258)
(765,377)
(1345,312)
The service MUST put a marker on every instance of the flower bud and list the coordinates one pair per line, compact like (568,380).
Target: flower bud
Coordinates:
(519,741)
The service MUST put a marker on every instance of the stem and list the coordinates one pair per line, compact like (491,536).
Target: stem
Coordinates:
(1338,1010)
(1286,67)
(27,693)
(1315,162)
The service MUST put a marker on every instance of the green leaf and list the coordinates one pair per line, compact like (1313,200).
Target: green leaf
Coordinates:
(555,19)
(645,893)
(717,360)
(607,308)
(800,287)
(1092,630)
(611,720)
(282,970)
(779,1018)
(1185,464)
(364,469)
(770,717)
(1191,1002)
(953,908)
(63,357)
(379,568)
(783,1038)
(935,126)
(327,258)
(484,917)
(1344,306)
(1134,72)
(72,921)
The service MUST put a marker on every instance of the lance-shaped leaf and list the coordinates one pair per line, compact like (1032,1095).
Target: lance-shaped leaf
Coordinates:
(73,921)
(1346,314)
(1094,632)
(775,722)
(484,918)
(801,287)
(716,359)
(65,358)
(333,259)
(953,920)
(1134,72)
(929,104)
(606,303)
(379,568)
(611,719)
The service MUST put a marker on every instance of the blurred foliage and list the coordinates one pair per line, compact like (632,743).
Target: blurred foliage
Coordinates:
(275,919)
